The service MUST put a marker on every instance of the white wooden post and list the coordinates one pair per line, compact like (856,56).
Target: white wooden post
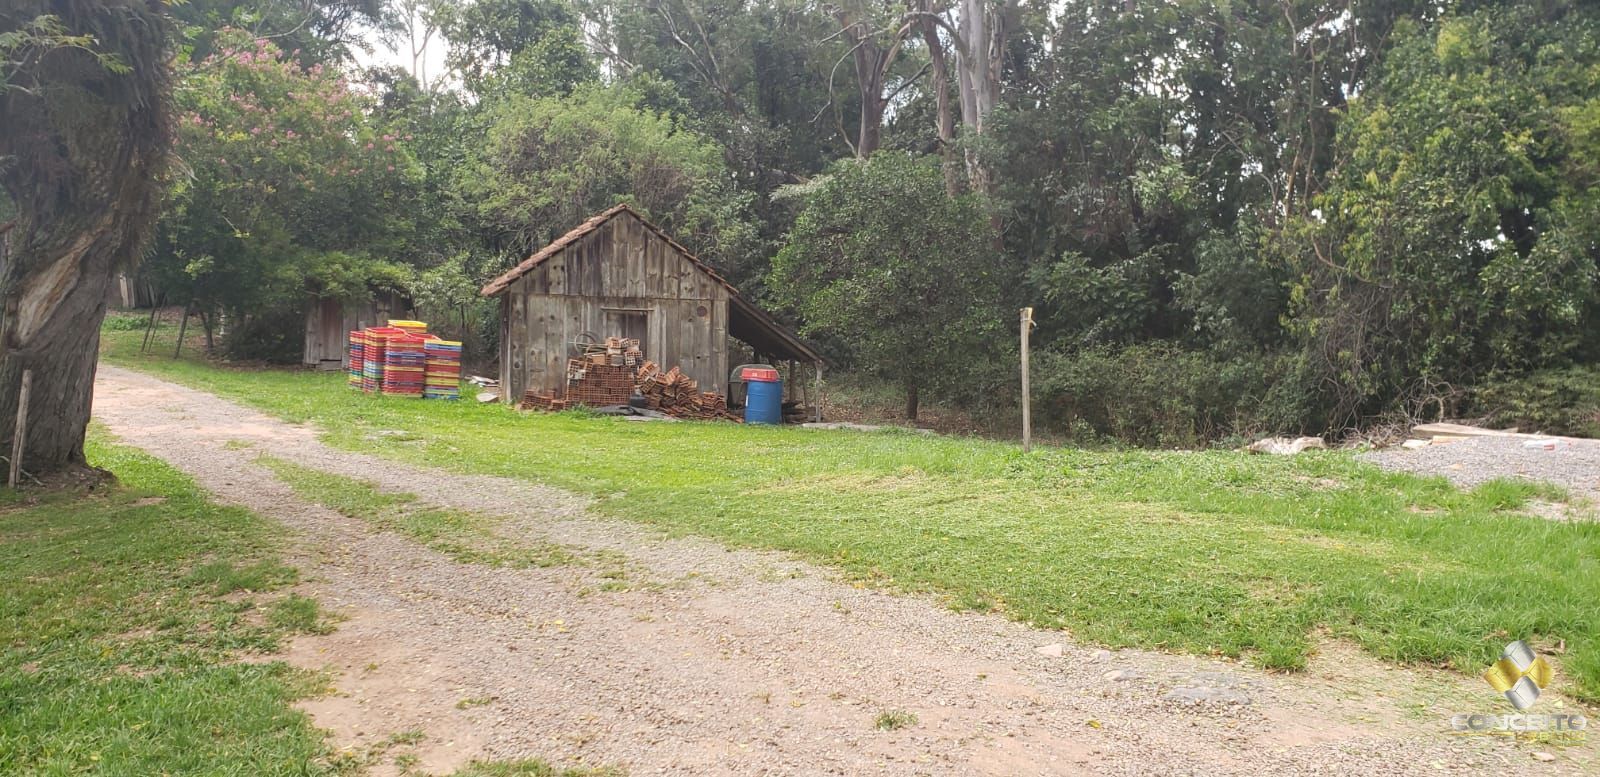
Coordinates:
(19,432)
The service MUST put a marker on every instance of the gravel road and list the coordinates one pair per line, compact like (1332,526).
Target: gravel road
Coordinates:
(717,661)
(1574,464)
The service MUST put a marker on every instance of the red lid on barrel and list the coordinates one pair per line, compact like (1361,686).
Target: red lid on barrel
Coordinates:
(763,374)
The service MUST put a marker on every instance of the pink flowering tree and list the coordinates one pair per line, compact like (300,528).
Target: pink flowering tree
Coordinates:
(288,190)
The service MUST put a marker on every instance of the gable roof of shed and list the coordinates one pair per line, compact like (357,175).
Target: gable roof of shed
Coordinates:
(746,321)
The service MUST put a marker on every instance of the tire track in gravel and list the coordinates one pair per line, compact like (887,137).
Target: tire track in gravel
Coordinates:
(742,662)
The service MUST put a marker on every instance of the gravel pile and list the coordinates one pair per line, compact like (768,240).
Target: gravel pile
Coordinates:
(1574,464)
(709,661)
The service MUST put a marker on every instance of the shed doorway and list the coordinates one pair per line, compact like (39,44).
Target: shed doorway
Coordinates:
(325,345)
(630,323)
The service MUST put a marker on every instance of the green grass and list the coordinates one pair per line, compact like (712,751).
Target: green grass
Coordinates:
(893,720)
(464,536)
(120,616)
(530,768)
(1211,553)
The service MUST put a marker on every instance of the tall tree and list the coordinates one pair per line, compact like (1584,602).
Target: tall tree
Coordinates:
(875,38)
(980,35)
(944,113)
(549,163)
(85,131)
(414,24)
(293,188)
(748,74)
(317,30)
(489,34)
(1457,236)
(896,272)
(980,46)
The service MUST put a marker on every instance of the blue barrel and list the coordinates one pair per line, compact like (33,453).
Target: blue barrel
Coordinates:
(763,401)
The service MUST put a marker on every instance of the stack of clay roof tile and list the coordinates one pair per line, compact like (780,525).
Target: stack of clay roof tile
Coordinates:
(677,394)
(610,373)
(598,385)
(533,399)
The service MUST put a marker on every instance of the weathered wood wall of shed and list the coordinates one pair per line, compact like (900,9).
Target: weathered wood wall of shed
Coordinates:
(329,323)
(128,292)
(621,268)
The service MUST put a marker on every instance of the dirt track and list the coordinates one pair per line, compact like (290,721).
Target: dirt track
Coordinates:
(737,662)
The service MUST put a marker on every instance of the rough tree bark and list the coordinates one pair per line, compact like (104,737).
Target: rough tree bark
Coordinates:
(978,37)
(945,115)
(84,139)
(980,49)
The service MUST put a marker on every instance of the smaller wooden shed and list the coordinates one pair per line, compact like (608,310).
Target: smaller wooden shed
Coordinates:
(329,323)
(129,292)
(618,274)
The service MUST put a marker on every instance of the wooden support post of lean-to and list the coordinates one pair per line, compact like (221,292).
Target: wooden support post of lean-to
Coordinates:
(1027,420)
(819,392)
(19,432)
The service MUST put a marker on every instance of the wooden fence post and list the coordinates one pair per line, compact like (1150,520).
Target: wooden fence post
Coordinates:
(19,432)
(1027,419)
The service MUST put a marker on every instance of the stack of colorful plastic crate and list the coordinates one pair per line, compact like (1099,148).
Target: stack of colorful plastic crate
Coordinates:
(404,365)
(443,376)
(411,327)
(373,356)
(358,344)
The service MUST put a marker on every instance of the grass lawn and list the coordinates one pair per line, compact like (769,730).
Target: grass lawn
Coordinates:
(123,619)
(469,538)
(120,616)
(1212,553)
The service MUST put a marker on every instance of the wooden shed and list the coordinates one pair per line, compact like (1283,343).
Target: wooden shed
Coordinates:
(129,292)
(618,274)
(329,323)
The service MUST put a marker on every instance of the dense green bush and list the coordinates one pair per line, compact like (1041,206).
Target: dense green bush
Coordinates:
(1159,394)
(1565,401)
(1456,236)
(276,336)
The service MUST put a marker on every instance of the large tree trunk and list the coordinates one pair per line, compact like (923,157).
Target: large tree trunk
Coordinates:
(52,327)
(913,400)
(872,62)
(87,145)
(946,119)
(980,51)
(870,136)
